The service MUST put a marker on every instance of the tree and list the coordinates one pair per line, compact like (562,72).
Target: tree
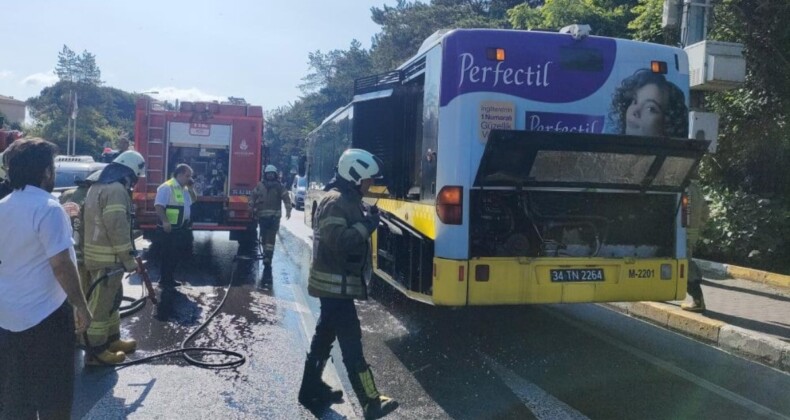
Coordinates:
(407,25)
(606,17)
(75,68)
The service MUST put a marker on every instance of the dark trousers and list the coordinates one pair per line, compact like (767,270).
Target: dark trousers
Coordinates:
(173,247)
(694,286)
(269,226)
(37,368)
(339,320)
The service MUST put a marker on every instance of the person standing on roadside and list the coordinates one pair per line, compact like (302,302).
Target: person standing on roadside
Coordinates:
(174,238)
(41,302)
(265,200)
(108,253)
(698,214)
(341,252)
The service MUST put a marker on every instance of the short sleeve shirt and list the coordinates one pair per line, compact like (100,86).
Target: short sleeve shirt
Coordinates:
(34,228)
(163,199)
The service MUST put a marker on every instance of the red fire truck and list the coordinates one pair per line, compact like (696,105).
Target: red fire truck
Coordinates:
(7,137)
(223,145)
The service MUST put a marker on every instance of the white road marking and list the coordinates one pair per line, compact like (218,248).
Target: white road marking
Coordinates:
(542,404)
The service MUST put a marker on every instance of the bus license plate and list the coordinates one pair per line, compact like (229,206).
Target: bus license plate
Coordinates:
(576,274)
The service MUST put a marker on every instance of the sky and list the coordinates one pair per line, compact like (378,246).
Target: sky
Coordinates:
(183,49)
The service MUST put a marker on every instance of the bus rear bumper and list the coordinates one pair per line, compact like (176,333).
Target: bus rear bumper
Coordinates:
(512,281)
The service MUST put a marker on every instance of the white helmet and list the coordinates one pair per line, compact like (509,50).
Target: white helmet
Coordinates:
(270,168)
(132,160)
(355,165)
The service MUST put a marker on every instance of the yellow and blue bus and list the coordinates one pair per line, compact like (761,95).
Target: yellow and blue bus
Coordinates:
(524,167)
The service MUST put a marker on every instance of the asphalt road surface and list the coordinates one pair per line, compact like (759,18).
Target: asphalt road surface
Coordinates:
(544,362)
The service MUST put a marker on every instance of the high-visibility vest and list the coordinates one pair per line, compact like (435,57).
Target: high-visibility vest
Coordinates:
(175,208)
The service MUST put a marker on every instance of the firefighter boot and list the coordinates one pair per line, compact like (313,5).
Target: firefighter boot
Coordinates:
(314,392)
(696,305)
(103,358)
(374,405)
(125,346)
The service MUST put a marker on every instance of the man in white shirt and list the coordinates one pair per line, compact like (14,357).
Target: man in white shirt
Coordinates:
(41,302)
(174,238)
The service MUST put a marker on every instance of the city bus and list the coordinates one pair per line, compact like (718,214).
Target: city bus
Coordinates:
(523,167)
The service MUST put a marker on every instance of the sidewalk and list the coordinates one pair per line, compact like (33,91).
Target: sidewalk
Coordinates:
(748,313)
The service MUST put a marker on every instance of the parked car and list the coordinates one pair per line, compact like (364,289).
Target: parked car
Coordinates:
(71,169)
(298,191)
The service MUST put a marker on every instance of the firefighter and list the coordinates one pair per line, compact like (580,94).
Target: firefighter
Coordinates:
(73,201)
(107,247)
(265,202)
(173,205)
(341,252)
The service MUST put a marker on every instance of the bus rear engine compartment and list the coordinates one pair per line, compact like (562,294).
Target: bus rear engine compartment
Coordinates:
(510,223)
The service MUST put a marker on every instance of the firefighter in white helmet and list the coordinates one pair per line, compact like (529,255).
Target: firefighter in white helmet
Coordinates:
(341,251)
(266,201)
(107,247)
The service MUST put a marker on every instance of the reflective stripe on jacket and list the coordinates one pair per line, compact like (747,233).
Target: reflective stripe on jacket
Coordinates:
(266,198)
(107,217)
(340,247)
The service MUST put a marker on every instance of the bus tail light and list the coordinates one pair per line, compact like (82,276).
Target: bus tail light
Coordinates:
(449,204)
(684,210)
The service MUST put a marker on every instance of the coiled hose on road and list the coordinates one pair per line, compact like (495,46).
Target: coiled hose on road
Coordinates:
(237,359)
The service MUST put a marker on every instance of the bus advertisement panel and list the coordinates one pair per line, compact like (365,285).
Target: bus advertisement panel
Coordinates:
(528,167)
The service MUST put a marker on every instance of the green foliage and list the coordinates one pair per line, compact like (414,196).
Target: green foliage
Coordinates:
(405,26)
(104,114)
(606,17)
(77,68)
(646,25)
(745,229)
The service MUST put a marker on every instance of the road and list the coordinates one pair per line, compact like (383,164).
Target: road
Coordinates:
(545,362)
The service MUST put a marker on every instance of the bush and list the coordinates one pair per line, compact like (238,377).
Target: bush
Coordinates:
(748,230)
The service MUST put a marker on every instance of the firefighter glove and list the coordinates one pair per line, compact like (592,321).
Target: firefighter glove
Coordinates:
(129,264)
(372,221)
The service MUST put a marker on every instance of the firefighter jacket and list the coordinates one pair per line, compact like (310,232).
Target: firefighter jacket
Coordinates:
(266,198)
(698,213)
(341,246)
(107,217)
(73,201)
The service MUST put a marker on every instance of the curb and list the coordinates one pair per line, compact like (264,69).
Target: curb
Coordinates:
(764,349)
(734,271)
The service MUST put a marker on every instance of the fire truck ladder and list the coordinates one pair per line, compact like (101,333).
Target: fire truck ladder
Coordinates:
(155,151)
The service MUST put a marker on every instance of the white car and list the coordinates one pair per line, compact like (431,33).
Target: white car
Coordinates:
(71,169)
(298,191)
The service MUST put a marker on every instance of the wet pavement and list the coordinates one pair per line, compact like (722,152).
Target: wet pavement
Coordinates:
(547,361)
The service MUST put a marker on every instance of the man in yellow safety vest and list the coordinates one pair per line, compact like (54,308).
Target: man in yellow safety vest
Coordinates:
(173,203)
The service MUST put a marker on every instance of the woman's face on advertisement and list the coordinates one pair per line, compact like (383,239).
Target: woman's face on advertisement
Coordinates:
(645,114)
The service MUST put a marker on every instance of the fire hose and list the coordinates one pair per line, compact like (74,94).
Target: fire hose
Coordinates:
(236,359)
